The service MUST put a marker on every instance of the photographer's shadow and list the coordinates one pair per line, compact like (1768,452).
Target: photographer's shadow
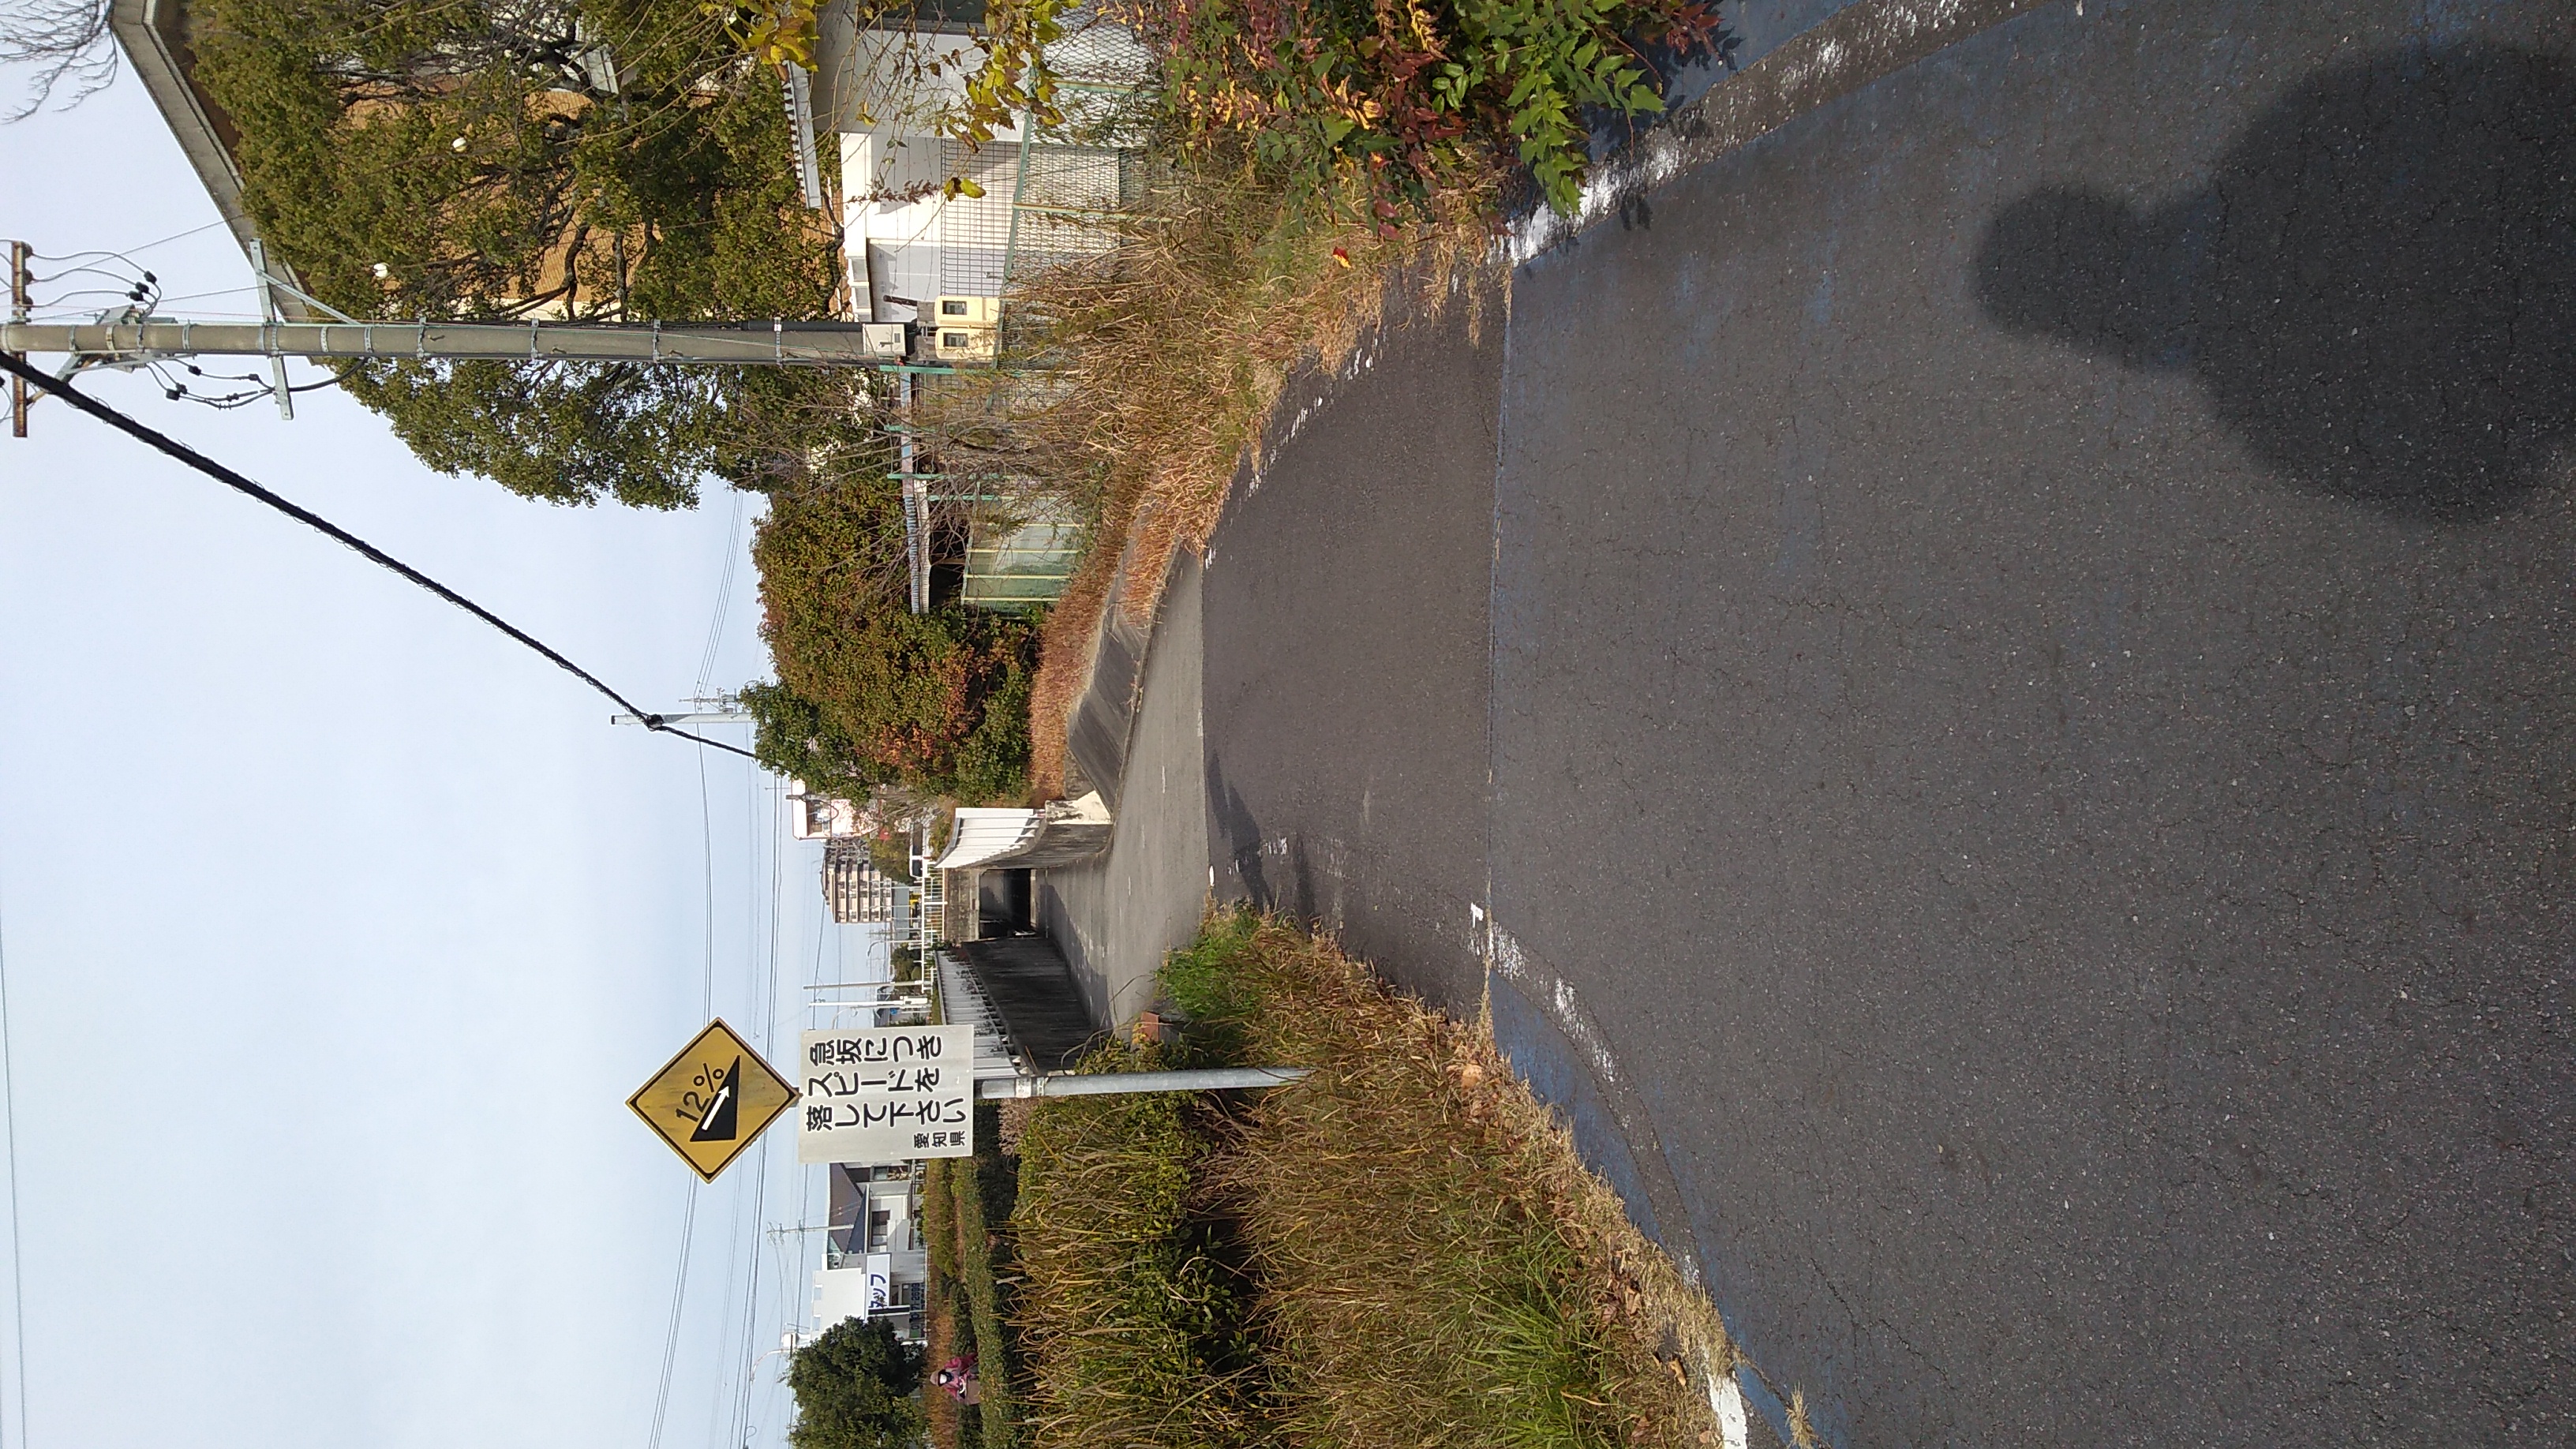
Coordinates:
(2377,289)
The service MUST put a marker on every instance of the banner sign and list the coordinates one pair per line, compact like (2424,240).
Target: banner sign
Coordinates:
(888,1094)
(880,1271)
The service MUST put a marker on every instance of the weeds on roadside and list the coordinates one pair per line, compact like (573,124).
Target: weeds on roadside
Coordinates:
(1390,92)
(1401,1249)
(1170,352)
(1132,1317)
(964,1203)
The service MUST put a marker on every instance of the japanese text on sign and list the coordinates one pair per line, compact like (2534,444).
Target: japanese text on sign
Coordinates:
(887,1094)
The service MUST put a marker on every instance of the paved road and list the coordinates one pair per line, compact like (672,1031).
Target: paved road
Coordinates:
(1987,681)
(1117,915)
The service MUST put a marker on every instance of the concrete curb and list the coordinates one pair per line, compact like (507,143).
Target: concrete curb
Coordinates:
(1103,720)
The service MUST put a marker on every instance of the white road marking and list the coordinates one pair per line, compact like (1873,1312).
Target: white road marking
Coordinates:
(1726,1399)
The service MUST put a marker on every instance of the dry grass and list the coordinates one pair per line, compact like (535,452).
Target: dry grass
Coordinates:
(1403,1249)
(1169,355)
(942,1412)
(939,1230)
(1130,1312)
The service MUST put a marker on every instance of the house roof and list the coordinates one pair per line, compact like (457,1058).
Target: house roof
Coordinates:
(154,34)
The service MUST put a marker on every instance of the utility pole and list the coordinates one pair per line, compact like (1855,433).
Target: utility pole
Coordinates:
(777,342)
(20,255)
(1003,1087)
(727,716)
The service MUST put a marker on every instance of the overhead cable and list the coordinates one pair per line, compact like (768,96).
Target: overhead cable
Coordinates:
(83,402)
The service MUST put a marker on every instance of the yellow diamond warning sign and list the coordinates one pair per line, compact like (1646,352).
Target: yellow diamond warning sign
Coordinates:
(712,1100)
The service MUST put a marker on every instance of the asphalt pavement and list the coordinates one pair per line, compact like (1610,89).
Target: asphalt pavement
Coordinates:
(1983,684)
(1116,915)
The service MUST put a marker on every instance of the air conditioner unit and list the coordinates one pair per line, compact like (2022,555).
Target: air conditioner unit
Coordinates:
(965,311)
(963,344)
(885,341)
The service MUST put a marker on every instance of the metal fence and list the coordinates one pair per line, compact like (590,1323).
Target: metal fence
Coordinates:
(1061,192)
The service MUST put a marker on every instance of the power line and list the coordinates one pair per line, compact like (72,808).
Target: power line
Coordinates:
(707,847)
(689,1220)
(744,1420)
(175,236)
(17,1260)
(173,447)
(724,599)
(671,1336)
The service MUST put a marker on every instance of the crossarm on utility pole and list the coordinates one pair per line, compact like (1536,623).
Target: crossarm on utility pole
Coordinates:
(721,716)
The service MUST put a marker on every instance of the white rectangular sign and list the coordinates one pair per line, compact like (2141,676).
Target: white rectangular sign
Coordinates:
(880,1271)
(887,1094)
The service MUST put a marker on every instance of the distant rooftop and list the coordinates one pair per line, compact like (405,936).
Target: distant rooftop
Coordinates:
(155,36)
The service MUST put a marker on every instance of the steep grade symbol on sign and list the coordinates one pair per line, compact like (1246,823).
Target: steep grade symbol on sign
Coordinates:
(713,1100)
(718,1124)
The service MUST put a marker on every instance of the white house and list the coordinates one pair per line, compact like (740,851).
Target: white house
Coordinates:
(875,1263)
(826,817)
(908,244)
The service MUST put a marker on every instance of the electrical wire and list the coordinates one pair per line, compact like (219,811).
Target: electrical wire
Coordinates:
(738,1329)
(744,1396)
(173,447)
(217,292)
(724,599)
(17,1259)
(671,1336)
(175,236)
(707,842)
(143,297)
(689,1220)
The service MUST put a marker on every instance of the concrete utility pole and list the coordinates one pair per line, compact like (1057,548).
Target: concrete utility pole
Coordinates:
(775,343)
(703,717)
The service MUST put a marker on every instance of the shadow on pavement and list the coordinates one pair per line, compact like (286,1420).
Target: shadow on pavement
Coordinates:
(2377,290)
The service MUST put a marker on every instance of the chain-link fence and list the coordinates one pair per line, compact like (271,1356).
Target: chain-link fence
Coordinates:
(1059,193)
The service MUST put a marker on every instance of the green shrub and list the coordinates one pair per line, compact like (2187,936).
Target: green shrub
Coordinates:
(869,692)
(855,1389)
(1130,1312)
(1388,90)
(983,1188)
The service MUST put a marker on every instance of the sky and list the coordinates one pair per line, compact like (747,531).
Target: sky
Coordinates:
(337,928)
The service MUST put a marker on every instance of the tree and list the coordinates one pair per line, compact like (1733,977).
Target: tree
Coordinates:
(588,159)
(869,692)
(62,42)
(854,1389)
(935,701)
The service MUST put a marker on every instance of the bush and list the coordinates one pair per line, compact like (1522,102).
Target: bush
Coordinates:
(869,692)
(854,1389)
(1399,1249)
(1388,89)
(1418,1248)
(1131,1315)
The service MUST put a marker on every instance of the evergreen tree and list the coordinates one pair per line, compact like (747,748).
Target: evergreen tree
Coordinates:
(588,159)
(856,1388)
